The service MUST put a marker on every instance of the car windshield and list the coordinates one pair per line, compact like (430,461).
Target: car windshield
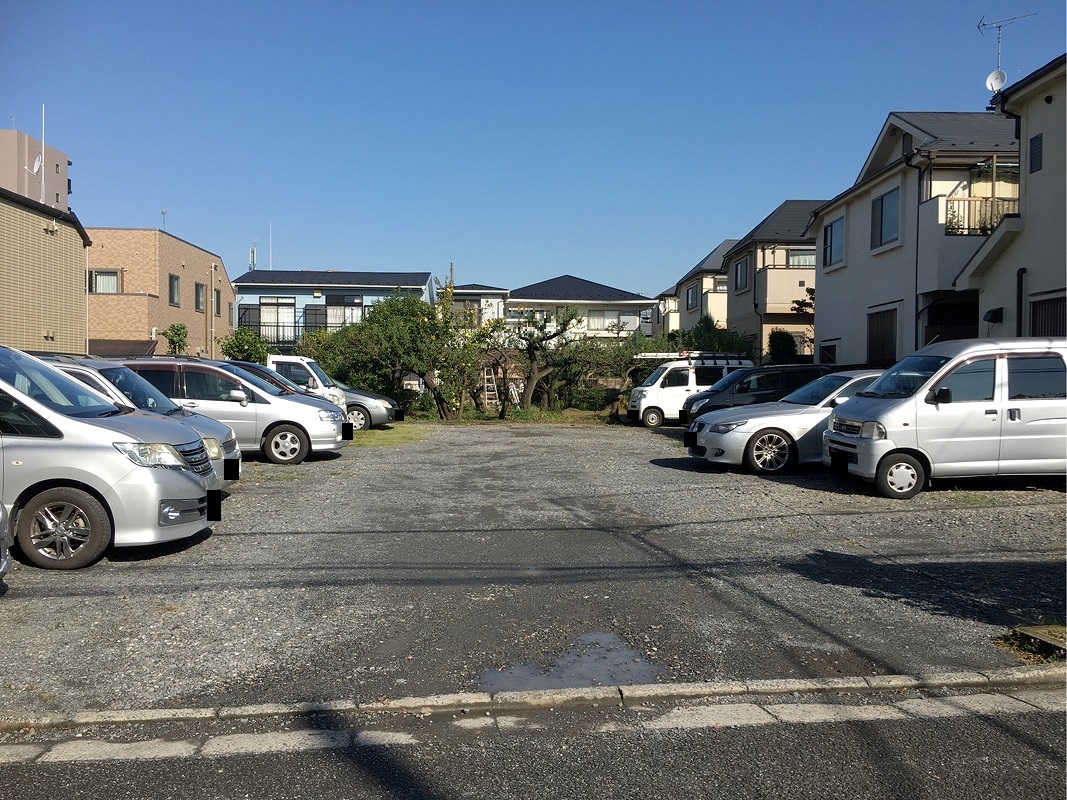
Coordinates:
(906,377)
(53,388)
(657,373)
(139,391)
(324,379)
(269,375)
(726,382)
(255,380)
(811,394)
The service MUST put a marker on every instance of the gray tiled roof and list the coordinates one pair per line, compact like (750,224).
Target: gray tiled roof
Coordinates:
(477,287)
(965,131)
(567,287)
(310,277)
(785,224)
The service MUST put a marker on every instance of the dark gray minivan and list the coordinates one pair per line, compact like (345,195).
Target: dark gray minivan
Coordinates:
(745,387)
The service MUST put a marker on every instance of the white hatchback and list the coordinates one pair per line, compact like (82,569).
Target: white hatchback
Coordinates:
(771,437)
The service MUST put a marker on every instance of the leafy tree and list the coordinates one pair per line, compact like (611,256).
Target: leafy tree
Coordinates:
(707,335)
(782,346)
(542,343)
(806,307)
(244,344)
(177,336)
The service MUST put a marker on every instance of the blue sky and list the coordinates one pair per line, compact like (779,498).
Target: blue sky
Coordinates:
(619,142)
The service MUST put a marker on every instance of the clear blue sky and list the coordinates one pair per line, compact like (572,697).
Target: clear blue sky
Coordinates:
(619,142)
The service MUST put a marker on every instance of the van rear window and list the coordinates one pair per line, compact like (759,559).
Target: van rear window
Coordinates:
(1036,377)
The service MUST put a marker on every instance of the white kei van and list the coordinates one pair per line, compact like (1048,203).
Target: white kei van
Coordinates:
(955,409)
(307,374)
(662,395)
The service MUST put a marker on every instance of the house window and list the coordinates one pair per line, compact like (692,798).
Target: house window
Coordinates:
(692,297)
(174,290)
(198,296)
(1048,317)
(1035,153)
(801,258)
(230,316)
(885,218)
(277,318)
(833,242)
(828,354)
(599,320)
(103,281)
(343,309)
(741,275)
(722,284)
(218,303)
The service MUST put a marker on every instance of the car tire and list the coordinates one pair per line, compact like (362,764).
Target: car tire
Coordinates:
(770,452)
(63,528)
(652,418)
(286,444)
(359,418)
(900,476)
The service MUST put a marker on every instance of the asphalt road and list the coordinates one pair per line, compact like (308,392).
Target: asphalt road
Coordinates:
(514,557)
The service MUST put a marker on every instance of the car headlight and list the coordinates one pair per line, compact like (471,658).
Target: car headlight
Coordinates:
(331,416)
(726,427)
(638,394)
(151,455)
(214,449)
(872,430)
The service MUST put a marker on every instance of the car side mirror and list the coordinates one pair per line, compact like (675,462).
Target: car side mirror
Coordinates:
(312,383)
(838,401)
(237,396)
(941,395)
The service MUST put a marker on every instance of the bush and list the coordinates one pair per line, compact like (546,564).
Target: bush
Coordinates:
(593,399)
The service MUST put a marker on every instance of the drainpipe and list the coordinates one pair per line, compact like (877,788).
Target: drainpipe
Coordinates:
(918,205)
(1020,279)
(759,336)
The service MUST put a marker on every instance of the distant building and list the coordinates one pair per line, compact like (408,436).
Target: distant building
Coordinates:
(143,280)
(701,292)
(605,311)
(487,301)
(281,305)
(39,173)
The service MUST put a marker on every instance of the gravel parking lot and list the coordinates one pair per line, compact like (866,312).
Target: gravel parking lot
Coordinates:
(524,556)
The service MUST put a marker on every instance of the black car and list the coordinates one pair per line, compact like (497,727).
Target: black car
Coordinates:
(753,385)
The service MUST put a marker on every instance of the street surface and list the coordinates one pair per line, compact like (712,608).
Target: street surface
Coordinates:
(507,558)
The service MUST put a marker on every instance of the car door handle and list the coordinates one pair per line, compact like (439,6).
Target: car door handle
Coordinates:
(991,412)
(189,404)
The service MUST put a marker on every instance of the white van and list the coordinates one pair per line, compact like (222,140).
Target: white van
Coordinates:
(307,374)
(955,409)
(663,394)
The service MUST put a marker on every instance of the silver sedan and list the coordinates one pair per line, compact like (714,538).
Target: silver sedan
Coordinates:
(772,437)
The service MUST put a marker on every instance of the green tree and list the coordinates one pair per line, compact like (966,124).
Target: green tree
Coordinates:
(707,335)
(781,346)
(177,336)
(542,343)
(805,306)
(244,344)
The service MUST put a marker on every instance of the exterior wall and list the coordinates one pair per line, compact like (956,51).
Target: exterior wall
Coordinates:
(18,153)
(145,260)
(1040,247)
(42,270)
(706,301)
(867,281)
(665,317)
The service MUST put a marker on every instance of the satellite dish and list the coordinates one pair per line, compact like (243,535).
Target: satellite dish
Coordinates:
(996,80)
(37,164)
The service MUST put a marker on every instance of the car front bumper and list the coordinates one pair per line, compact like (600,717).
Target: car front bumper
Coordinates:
(854,455)
(157,505)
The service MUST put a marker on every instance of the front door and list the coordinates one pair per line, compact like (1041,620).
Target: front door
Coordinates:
(962,437)
(674,387)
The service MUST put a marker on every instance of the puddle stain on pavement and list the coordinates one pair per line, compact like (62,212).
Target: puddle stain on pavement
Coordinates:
(593,659)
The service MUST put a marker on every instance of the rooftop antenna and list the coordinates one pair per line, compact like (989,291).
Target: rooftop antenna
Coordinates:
(252,257)
(997,78)
(163,214)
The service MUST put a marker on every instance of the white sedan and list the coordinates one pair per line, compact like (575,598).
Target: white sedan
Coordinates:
(771,437)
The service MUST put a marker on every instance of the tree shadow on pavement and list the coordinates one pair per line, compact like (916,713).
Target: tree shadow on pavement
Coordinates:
(994,593)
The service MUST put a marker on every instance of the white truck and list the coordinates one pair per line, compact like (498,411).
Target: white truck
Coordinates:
(307,374)
(662,395)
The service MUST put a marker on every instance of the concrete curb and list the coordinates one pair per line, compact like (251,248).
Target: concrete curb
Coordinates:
(1041,675)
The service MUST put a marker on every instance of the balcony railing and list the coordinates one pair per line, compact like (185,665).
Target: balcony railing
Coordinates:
(287,333)
(976,216)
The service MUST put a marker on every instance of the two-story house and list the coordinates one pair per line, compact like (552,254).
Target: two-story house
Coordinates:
(143,280)
(487,301)
(768,270)
(604,311)
(1019,270)
(281,305)
(702,291)
(933,188)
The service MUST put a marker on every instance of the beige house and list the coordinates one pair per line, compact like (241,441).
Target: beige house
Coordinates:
(141,281)
(42,269)
(933,188)
(34,170)
(700,292)
(768,270)
(1019,271)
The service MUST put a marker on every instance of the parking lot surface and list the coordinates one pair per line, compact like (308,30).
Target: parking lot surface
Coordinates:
(513,557)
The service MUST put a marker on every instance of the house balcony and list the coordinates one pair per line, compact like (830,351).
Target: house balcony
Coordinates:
(951,231)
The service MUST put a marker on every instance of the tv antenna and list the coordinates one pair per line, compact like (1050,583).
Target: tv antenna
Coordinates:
(997,78)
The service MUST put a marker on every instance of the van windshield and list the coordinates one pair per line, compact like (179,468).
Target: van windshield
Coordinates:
(260,383)
(53,388)
(324,379)
(138,390)
(657,373)
(906,377)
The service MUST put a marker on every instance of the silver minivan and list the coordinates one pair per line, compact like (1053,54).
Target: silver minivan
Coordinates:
(78,472)
(123,386)
(285,428)
(969,407)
